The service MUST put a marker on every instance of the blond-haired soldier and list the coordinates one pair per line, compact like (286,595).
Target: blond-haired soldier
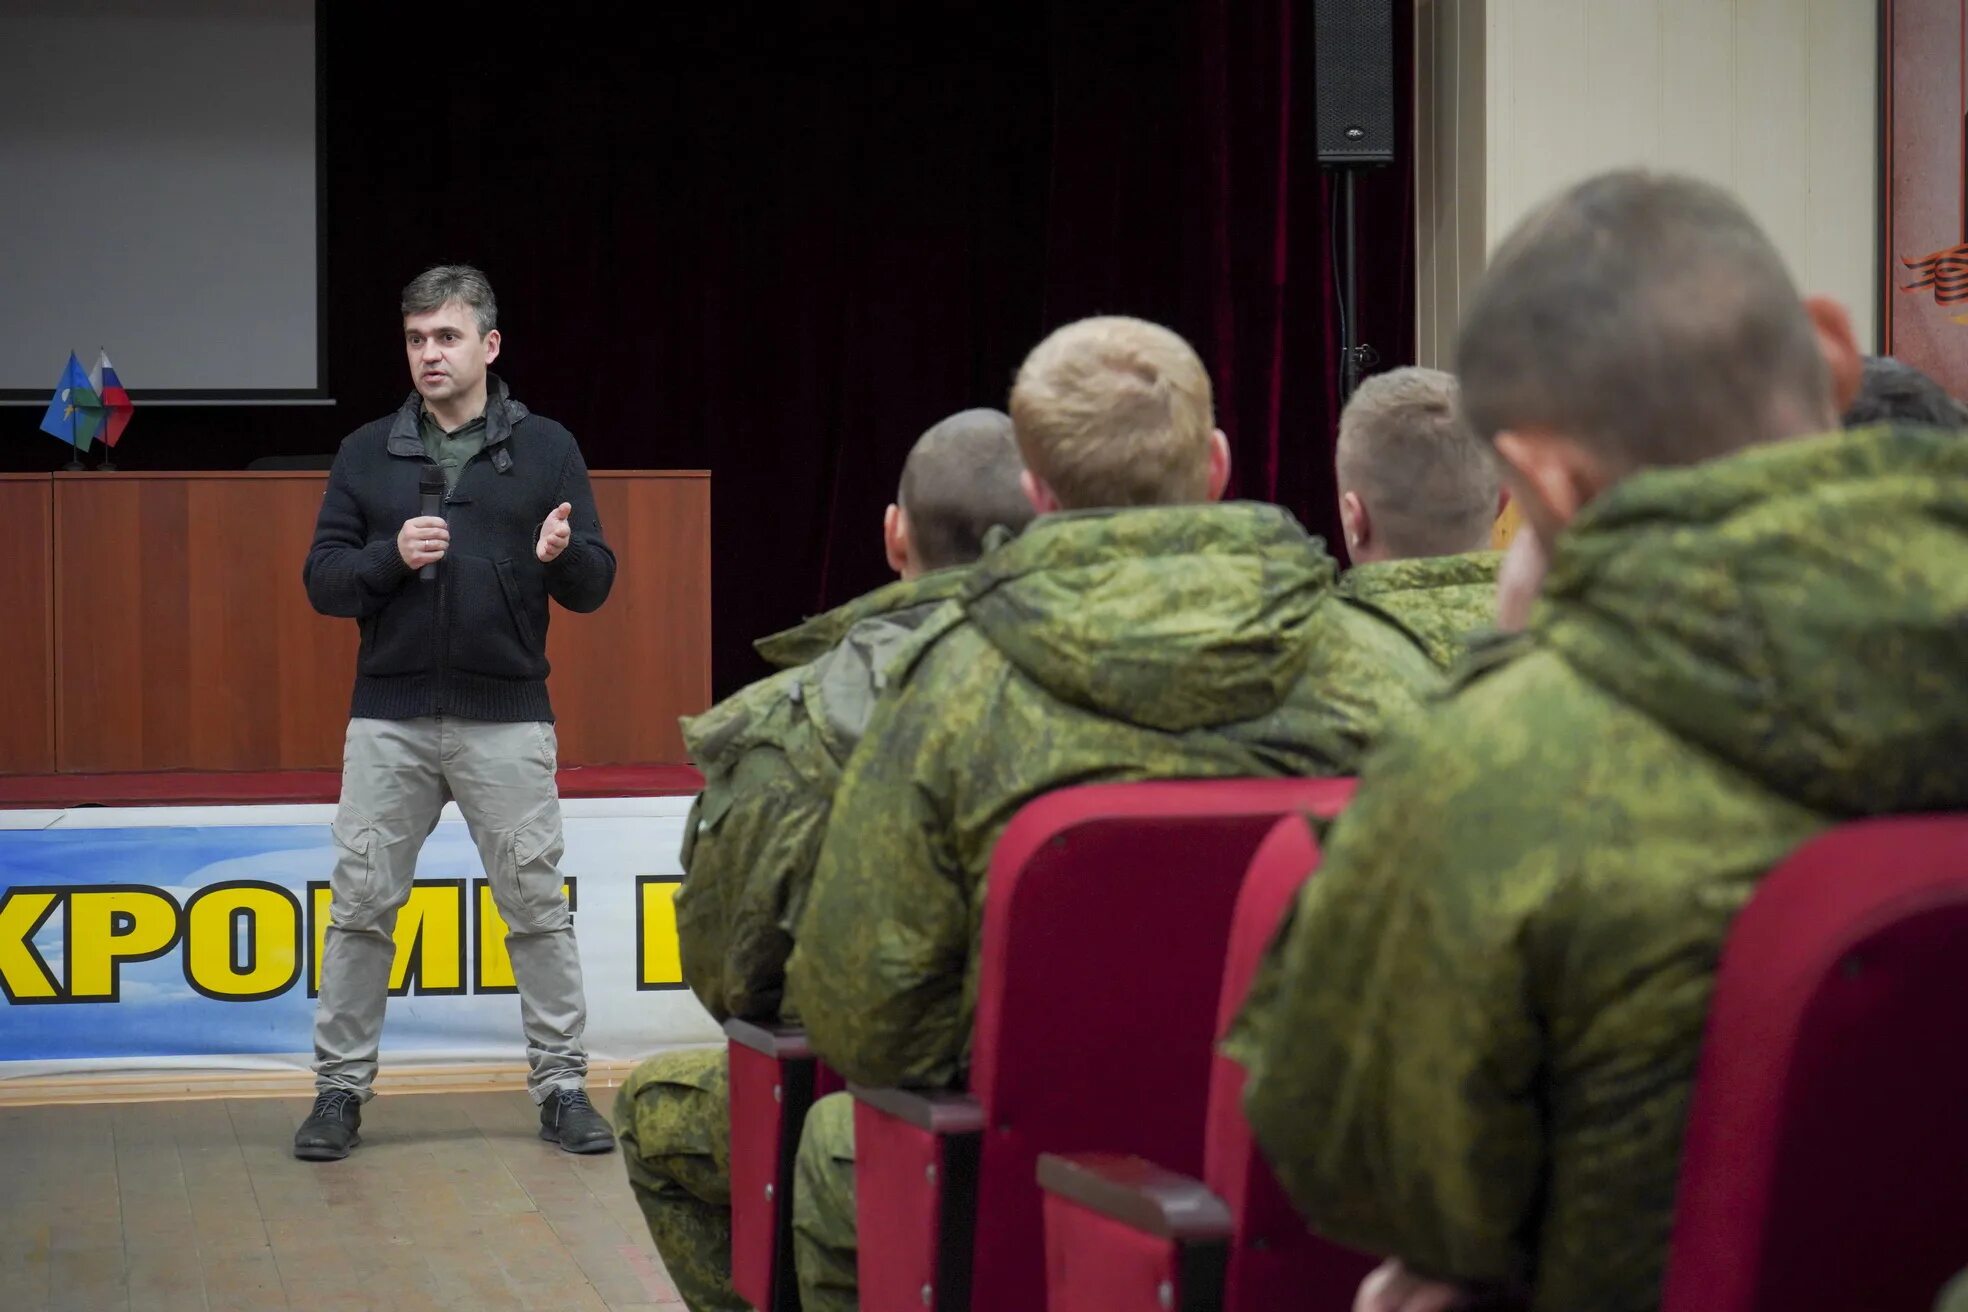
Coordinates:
(1137,630)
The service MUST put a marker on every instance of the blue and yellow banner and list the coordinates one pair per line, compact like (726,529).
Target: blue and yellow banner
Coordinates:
(125,938)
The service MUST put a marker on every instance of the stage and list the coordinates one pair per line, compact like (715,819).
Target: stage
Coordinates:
(170,741)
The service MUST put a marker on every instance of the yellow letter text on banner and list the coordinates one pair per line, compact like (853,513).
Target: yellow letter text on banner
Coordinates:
(23,974)
(430,938)
(494,972)
(242,941)
(110,925)
(659,959)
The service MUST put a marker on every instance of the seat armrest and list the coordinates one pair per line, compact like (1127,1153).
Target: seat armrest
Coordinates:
(774,1078)
(1125,1235)
(1137,1193)
(916,1165)
(779,1042)
(939,1113)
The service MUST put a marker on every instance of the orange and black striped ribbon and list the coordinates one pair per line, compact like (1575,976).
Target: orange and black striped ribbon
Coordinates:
(1945,271)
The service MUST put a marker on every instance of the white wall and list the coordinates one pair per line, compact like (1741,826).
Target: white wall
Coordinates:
(1775,99)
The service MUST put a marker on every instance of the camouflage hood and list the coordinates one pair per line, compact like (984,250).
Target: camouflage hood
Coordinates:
(815,637)
(740,720)
(1171,618)
(1799,610)
(771,756)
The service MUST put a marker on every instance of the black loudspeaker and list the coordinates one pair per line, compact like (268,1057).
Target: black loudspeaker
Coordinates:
(1353,76)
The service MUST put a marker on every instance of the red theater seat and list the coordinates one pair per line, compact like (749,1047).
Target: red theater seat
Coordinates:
(1826,1161)
(775,1080)
(1124,1234)
(1106,920)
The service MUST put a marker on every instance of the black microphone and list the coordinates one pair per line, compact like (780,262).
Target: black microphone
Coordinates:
(430,484)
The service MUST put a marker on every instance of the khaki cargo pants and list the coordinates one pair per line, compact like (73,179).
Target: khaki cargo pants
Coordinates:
(673,1117)
(396,776)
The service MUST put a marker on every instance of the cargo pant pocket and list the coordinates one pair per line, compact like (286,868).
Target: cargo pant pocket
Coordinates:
(352,884)
(531,856)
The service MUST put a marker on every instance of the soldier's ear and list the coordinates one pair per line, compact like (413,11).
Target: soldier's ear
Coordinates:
(1840,349)
(1043,499)
(896,542)
(1355,522)
(1219,465)
(1552,477)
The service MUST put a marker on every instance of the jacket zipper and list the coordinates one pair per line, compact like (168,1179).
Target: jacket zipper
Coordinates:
(444,611)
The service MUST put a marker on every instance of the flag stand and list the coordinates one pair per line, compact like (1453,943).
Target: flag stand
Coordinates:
(109,448)
(74,451)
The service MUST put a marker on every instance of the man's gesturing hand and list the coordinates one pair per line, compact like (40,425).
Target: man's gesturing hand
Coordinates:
(422,541)
(554,534)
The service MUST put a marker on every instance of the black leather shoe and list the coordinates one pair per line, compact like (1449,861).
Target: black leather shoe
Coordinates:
(570,1120)
(330,1129)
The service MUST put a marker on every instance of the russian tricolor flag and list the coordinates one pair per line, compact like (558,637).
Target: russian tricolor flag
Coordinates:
(117,401)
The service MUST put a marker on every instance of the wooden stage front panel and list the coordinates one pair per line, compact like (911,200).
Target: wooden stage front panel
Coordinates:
(175,633)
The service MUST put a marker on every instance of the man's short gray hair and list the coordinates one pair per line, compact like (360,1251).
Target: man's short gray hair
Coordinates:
(1429,486)
(443,283)
(960,481)
(1647,317)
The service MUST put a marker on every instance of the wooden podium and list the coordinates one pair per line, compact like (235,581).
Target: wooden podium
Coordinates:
(157,621)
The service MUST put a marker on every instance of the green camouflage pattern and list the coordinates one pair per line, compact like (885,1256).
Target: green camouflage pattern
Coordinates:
(1473,1043)
(1441,600)
(824,1249)
(673,1119)
(1100,646)
(771,757)
(813,638)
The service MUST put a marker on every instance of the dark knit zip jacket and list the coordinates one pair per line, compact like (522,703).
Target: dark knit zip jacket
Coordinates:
(473,641)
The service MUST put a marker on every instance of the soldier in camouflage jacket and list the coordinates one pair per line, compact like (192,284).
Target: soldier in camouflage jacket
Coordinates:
(1473,1045)
(1153,641)
(1418,497)
(771,757)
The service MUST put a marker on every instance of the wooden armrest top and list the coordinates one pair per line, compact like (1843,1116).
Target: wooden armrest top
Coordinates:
(783,1042)
(941,1113)
(1137,1193)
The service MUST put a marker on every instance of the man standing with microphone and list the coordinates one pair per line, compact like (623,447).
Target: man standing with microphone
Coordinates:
(450,693)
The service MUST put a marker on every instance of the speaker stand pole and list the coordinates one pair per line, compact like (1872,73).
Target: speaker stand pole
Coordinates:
(1349,350)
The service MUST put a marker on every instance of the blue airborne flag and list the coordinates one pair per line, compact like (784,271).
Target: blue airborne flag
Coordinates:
(76,413)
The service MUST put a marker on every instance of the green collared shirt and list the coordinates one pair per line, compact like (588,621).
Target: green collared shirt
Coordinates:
(452,451)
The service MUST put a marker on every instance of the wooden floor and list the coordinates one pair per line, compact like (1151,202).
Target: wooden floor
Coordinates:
(452,1201)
